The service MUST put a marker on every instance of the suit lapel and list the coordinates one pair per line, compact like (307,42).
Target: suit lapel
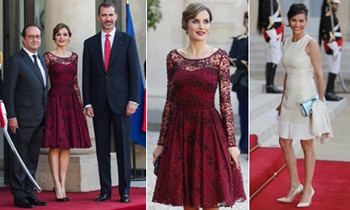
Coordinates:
(98,48)
(43,63)
(30,63)
(117,42)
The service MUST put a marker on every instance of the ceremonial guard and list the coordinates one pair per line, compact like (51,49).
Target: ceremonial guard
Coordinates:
(330,33)
(270,23)
(239,58)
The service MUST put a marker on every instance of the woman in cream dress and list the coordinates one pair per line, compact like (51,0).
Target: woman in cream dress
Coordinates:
(302,59)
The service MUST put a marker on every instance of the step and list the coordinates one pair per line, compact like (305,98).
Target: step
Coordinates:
(266,130)
(273,142)
(263,127)
(264,162)
(262,103)
(335,108)
(256,87)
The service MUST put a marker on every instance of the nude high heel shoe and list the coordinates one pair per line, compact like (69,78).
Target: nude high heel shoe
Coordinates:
(308,203)
(291,198)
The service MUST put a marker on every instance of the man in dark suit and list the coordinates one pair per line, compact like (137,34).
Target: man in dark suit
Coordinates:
(111,95)
(25,98)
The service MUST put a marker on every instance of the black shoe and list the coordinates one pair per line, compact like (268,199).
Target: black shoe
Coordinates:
(340,98)
(273,89)
(103,197)
(329,93)
(22,203)
(33,200)
(332,97)
(125,198)
(59,199)
(270,72)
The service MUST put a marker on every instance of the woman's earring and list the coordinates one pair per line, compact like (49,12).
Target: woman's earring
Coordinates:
(187,33)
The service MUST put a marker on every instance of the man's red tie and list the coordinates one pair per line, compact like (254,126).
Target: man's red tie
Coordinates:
(107,51)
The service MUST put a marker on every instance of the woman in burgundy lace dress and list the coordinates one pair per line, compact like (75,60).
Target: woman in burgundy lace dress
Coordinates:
(65,122)
(199,158)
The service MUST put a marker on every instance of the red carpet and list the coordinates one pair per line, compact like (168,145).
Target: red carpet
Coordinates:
(253,141)
(264,162)
(331,183)
(82,201)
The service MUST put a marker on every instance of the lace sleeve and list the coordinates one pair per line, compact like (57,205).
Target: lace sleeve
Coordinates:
(75,84)
(225,99)
(170,101)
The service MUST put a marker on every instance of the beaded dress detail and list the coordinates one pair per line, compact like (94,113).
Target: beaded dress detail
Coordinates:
(195,167)
(66,125)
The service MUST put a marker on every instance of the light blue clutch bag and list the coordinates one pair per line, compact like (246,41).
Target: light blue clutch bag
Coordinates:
(306,106)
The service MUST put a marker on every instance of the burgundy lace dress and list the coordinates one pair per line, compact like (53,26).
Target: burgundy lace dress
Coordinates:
(65,122)
(195,167)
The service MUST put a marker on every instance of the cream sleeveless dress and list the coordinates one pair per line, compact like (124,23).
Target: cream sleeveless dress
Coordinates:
(300,86)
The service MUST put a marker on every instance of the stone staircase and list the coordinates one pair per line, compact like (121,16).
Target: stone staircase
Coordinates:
(261,104)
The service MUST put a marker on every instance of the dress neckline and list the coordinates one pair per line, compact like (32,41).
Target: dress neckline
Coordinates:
(198,58)
(61,56)
(298,40)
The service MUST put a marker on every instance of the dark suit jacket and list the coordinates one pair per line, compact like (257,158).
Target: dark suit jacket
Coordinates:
(121,83)
(24,93)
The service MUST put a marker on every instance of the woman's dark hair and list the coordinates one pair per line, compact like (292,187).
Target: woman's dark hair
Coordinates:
(324,9)
(192,11)
(297,9)
(58,28)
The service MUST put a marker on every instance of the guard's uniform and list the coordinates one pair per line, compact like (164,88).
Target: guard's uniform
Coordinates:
(332,43)
(271,23)
(239,58)
(329,36)
(239,52)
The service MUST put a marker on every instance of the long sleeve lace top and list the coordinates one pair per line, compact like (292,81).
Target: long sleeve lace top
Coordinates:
(197,91)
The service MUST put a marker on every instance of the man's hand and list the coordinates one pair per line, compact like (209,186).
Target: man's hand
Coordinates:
(130,108)
(90,112)
(13,125)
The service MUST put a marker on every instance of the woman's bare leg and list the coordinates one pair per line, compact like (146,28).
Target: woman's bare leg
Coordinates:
(55,168)
(309,164)
(64,162)
(291,162)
